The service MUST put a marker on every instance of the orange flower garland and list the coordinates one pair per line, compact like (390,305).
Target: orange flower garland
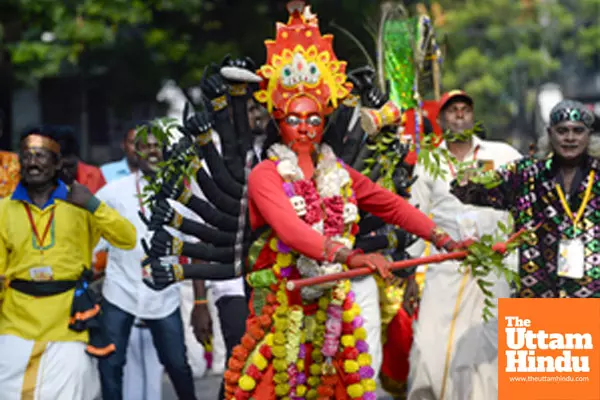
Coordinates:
(256,330)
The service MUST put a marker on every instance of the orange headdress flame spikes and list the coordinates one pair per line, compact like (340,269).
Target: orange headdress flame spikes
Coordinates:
(301,62)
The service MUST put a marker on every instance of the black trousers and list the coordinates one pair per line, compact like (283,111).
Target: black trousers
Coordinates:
(168,338)
(233,312)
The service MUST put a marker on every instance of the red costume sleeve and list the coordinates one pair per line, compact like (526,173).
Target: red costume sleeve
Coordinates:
(392,208)
(270,205)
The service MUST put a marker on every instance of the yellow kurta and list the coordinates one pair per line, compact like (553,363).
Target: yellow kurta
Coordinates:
(67,249)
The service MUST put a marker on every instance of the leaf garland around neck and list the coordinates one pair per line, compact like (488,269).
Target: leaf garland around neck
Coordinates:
(180,166)
(464,135)
(431,155)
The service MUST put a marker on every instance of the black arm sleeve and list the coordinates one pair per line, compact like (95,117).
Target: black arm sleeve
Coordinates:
(231,157)
(370,244)
(213,272)
(221,175)
(212,192)
(212,216)
(206,233)
(239,105)
(202,251)
(369,224)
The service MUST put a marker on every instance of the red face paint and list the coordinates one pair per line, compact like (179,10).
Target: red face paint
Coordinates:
(302,127)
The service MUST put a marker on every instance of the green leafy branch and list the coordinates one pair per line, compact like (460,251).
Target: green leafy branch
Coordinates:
(384,155)
(177,168)
(489,179)
(482,260)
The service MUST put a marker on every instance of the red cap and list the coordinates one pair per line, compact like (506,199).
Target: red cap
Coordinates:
(452,95)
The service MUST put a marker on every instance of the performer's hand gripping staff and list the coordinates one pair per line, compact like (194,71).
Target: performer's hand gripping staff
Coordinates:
(367,264)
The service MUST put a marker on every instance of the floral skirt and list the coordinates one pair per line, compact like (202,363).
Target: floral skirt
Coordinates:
(295,350)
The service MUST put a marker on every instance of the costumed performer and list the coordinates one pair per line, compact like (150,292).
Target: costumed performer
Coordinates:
(309,344)
(303,204)
(304,217)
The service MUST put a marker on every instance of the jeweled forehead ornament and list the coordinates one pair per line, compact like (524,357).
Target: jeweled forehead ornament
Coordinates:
(301,62)
(569,110)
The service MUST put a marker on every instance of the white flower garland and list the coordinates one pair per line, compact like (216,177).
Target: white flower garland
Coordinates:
(329,180)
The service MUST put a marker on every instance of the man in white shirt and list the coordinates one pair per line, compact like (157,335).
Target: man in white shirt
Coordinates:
(126,297)
(451,306)
(142,358)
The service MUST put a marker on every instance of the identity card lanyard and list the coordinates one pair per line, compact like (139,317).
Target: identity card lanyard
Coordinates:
(571,252)
(39,239)
(586,198)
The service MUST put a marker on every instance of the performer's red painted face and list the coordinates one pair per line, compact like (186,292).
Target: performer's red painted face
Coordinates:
(303,125)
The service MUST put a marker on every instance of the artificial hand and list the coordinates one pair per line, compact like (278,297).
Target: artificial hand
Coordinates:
(176,190)
(244,62)
(195,124)
(212,84)
(162,214)
(158,275)
(370,95)
(162,244)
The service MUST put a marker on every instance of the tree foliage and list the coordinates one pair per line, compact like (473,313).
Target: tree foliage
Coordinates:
(495,49)
(41,36)
(138,44)
(498,49)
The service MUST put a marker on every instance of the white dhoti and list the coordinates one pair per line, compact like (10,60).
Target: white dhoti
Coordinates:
(453,353)
(219,352)
(474,370)
(143,372)
(446,362)
(51,370)
(367,297)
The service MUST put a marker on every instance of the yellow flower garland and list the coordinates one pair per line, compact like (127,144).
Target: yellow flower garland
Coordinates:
(288,333)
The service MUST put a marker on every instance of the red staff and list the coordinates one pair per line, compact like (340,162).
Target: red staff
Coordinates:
(438,258)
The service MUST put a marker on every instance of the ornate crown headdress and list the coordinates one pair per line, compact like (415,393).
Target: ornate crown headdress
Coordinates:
(301,62)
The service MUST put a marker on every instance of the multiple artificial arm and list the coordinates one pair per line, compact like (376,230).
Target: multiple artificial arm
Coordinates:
(223,210)
(224,232)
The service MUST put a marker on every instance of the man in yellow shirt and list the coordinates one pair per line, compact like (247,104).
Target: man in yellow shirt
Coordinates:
(48,319)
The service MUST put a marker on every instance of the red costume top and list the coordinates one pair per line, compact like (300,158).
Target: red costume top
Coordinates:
(269,205)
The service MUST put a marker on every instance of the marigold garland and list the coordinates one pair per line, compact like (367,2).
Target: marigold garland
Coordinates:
(238,385)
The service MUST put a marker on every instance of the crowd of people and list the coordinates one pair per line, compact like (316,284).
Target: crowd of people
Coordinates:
(103,292)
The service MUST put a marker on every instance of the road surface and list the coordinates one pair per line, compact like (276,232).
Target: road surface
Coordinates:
(207,388)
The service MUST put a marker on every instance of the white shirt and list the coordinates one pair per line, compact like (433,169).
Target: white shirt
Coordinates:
(434,198)
(123,285)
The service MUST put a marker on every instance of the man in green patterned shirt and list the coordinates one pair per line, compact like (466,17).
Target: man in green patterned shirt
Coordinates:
(561,190)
